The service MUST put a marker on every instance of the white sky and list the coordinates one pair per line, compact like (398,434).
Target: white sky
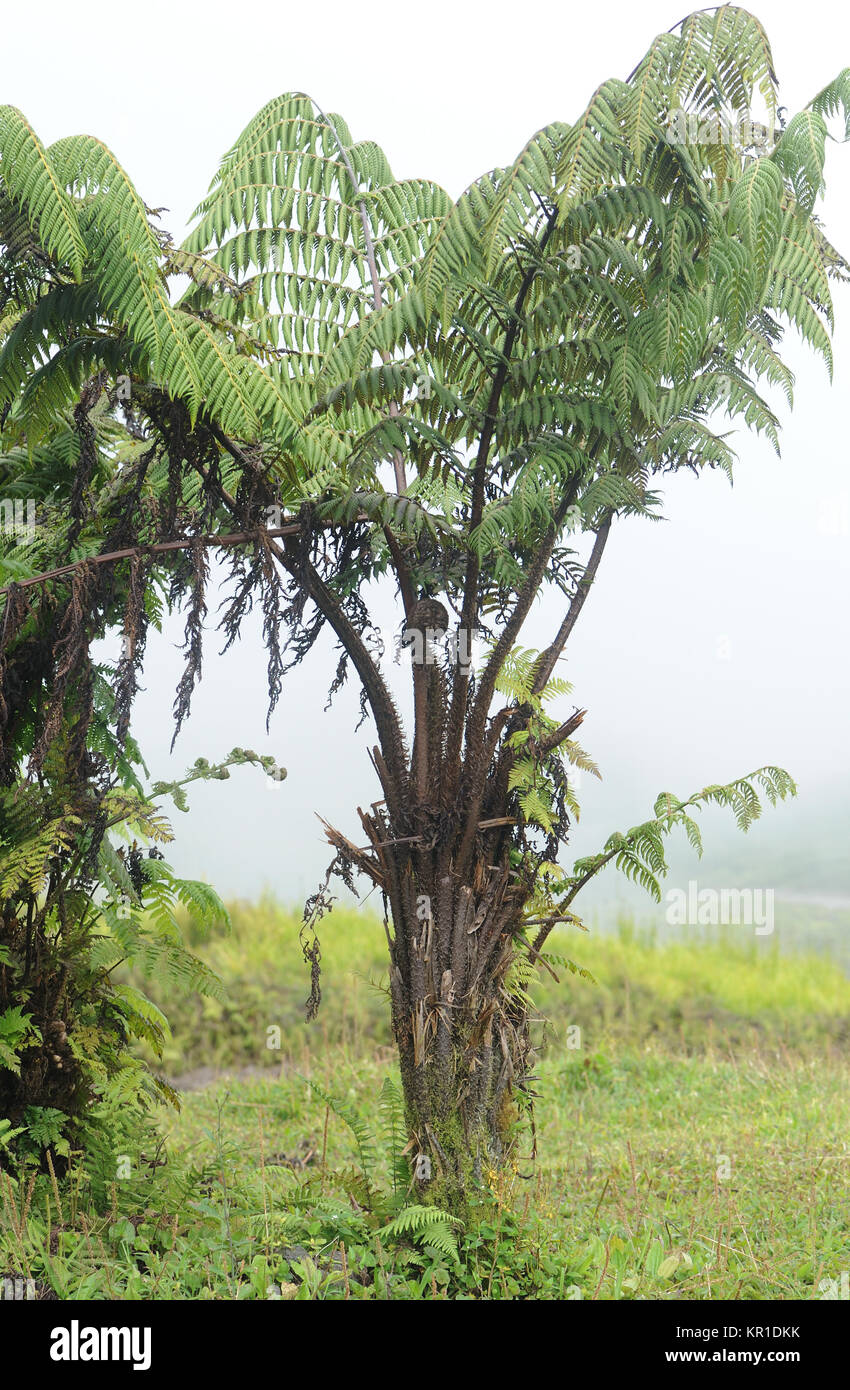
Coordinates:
(712,643)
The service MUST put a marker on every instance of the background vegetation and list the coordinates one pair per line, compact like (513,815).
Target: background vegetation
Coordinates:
(693,1146)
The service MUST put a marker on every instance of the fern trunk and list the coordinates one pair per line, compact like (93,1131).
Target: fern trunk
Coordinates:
(450,851)
(463,1045)
(459,1015)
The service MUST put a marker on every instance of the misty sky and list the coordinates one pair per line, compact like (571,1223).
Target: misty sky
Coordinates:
(713,642)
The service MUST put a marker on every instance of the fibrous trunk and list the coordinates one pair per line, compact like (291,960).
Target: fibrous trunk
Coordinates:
(462,1035)
(459,1020)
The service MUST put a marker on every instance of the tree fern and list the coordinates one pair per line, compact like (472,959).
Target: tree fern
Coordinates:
(363,377)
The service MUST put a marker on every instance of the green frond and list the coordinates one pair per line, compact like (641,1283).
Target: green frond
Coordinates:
(800,155)
(28,174)
(428,1226)
(833,98)
(363,1136)
(639,853)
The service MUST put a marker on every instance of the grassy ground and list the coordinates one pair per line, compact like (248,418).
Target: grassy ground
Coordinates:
(733,990)
(692,1134)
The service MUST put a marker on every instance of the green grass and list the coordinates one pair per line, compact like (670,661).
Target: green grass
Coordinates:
(729,990)
(694,1146)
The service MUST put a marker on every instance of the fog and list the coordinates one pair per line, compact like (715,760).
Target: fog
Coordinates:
(713,642)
